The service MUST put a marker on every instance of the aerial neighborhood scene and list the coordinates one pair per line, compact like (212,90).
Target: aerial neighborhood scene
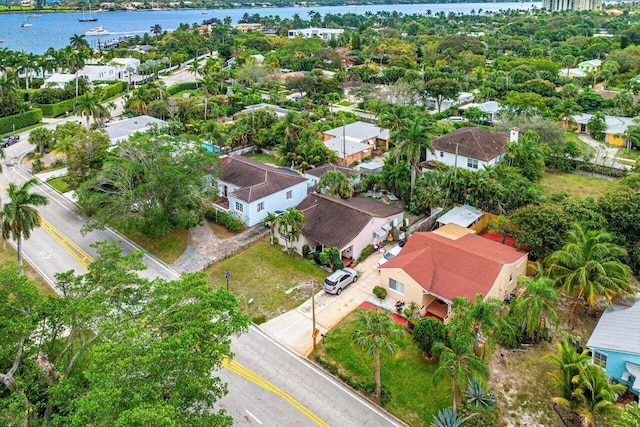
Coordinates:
(327,213)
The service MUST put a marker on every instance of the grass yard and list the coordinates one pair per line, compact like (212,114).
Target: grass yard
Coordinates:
(415,399)
(262,158)
(59,184)
(346,103)
(582,146)
(167,248)
(577,184)
(264,272)
(625,153)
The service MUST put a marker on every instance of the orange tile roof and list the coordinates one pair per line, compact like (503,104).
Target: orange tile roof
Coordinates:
(450,268)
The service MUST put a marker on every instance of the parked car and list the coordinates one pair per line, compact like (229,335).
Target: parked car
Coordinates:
(9,140)
(390,254)
(276,214)
(455,119)
(339,280)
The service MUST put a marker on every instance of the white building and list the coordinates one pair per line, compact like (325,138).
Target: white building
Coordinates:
(463,98)
(125,67)
(98,72)
(325,34)
(559,5)
(58,80)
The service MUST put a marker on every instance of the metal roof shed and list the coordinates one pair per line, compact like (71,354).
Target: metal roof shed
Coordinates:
(370,168)
(464,216)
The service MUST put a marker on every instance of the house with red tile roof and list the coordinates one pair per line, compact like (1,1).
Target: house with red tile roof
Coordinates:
(433,268)
(346,224)
(250,189)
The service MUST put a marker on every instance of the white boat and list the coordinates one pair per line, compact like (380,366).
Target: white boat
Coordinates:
(25,23)
(97,31)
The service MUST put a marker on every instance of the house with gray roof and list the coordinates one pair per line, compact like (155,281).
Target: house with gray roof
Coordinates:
(120,130)
(464,216)
(250,189)
(280,112)
(615,128)
(349,225)
(615,344)
(313,175)
(354,142)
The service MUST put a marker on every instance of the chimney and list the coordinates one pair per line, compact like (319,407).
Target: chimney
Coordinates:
(514,135)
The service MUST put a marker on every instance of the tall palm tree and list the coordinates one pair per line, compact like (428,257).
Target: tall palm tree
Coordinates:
(210,86)
(88,106)
(289,225)
(156,30)
(597,394)
(479,318)
(78,41)
(8,86)
(459,364)
(374,334)
(19,216)
(194,68)
(411,140)
(565,110)
(535,305)
(589,267)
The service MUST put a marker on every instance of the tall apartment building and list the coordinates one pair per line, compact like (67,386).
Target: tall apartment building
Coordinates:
(558,5)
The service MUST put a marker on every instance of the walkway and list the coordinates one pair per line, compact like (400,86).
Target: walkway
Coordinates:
(605,155)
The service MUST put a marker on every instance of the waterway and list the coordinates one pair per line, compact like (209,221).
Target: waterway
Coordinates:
(55,29)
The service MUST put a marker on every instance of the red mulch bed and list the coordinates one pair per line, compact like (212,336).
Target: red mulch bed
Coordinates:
(368,306)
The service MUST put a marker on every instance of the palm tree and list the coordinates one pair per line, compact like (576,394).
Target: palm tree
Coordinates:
(568,61)
(535,305)
(210,86)
(8,86)
(42,138)
(336,184)
(194,68)
(88,106)
(597,395)
(156,30)
(270,221)
(481,319)
(565,110)
(588,267)
(411,140)
(289,225)
(630,416)
(374,334)
(460,364)
(568,364)
(19,216)
(78,41)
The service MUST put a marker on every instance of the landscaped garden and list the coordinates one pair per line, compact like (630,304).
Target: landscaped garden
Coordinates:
(260,277)
(406,375)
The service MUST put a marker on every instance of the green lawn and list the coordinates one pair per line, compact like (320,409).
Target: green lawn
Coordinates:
(262,158)
(628,154)
(167,248)
(59,184)
(264,272)
(576,184)
(415,399)
(346,103)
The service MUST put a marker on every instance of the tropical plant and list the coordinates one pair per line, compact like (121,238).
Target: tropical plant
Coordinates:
(459,364)
(448,417)
(42,138)
(528,155)
(429,331)
(536,306)
(289,225)
(270,221)
(335,183)
(589,266)
(477,396)
(19,216)
(630,416)
(374,334)
(88,106)
(597,394)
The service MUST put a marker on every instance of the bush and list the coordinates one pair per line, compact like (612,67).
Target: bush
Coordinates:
(429,331)
(408,312)
(114,89)
(380,292)
(368,250)
(259,319)
(179,87)
(225,219)
(19,121)
(57,109)
(385,396)
(305,251)
(485,417)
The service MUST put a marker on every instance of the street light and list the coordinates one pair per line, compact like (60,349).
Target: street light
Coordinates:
(314,332)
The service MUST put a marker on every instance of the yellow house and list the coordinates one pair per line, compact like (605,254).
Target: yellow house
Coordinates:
(433,268)
(615,132)
(591,66)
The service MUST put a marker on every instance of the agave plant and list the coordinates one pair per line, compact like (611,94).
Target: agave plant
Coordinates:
(478,397)
(449,417)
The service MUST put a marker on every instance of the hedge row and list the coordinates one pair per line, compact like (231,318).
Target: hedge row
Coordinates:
(57,109)
(114,89)
(179,87)
(225,219)
(19,121)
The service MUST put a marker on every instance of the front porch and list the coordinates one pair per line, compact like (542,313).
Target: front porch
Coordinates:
(222,203)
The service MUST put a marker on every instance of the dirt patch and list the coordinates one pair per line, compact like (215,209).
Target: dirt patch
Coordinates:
(520,378)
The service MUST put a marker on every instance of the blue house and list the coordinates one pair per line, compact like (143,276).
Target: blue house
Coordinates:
(250,189)
(313,175)
(615,344)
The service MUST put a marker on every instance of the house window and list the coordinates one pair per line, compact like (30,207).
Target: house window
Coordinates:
(600,359)
(260,206)
(239,207)
(289,194)
(396,286)
(472,163)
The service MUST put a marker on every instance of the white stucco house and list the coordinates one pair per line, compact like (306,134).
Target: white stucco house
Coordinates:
(471,148)
(98,72)
(323,33)
(125,67)
(250,189)
(346,224)
(120,130)
(58,80)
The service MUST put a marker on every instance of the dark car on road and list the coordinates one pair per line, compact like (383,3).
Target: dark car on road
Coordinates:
(9,140)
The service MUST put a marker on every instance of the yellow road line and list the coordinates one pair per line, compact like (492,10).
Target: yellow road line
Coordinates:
(247,374)
(67,244)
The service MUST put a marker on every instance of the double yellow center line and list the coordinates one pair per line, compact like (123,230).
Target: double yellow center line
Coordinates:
(245,373)
(68,245)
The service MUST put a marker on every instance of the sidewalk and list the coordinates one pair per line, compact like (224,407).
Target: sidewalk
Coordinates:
(293,329)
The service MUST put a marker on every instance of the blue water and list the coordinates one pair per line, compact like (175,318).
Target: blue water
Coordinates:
(210,147)
(55,29)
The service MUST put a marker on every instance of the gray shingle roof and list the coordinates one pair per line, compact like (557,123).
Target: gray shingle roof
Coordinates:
(256,180)
(321,170)
(477,143)
(617,329)
(334,222)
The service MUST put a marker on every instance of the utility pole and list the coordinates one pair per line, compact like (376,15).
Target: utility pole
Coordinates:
(314,334)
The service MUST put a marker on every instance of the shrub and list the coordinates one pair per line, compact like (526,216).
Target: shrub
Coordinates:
(225,219)
(113,89)
(368,250)
(429,331)
(19,121)
(179,87)
(380,292)
(259,319)
(408,312)
(57,109)
(385,396)
(305,251)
